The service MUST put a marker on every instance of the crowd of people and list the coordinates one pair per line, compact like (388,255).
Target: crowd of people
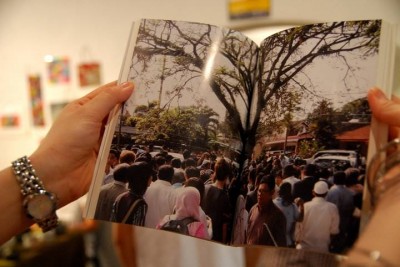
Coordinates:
(275,200)
(152,190)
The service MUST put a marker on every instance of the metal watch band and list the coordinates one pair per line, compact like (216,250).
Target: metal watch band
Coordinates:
(48,223)
(26,176)
(30,184)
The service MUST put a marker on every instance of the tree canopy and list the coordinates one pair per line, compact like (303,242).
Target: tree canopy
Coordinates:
(237,71)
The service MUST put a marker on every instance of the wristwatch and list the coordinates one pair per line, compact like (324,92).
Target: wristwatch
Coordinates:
(39,204)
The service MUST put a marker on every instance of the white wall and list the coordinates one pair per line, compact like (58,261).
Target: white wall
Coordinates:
(31,29)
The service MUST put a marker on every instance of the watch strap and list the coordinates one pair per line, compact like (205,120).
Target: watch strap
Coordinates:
(26,176)
(30,184)
(48,223)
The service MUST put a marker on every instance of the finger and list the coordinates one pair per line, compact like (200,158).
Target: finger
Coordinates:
(103,102)
(383,109)
(83,100)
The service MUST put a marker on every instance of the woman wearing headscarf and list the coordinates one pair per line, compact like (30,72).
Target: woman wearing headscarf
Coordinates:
(187,205)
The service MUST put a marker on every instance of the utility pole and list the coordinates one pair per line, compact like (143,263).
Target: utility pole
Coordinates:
(162,78)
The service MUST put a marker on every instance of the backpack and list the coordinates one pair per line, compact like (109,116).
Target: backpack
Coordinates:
(178,226)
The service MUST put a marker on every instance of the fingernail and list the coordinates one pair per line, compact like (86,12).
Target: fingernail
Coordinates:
(126,85)
(378,94)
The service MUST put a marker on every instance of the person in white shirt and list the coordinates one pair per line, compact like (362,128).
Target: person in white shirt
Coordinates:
(160,197)
(288,175)
(321,221)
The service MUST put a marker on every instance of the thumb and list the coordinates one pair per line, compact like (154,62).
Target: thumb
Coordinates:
(385,110)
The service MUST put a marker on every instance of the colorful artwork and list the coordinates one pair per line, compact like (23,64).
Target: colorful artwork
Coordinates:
(36,100)
(89,74)
(11,120)
(58,70)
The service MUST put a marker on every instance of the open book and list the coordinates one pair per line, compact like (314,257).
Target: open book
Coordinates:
(215,93)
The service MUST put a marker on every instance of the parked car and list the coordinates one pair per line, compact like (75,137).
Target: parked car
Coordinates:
(353,156)
(333,162)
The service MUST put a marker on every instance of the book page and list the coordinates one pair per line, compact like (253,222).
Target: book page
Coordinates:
(310,102)
(193,84)
(306,89)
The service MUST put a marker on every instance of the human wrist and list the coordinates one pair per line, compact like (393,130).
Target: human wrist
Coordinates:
(51,176)
(13,218)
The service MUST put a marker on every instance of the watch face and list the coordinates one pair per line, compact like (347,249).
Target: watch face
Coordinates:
(40,206)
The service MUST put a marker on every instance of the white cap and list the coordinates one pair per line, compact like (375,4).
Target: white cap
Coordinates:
(321,187)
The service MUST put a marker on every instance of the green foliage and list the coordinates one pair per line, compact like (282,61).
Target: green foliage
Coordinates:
(141,108)
(279,112)
(194,124)
(307,148)
(130,121)
(358,109)
(323,121)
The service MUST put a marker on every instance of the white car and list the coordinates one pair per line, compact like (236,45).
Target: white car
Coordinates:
(333,162)
(351,155)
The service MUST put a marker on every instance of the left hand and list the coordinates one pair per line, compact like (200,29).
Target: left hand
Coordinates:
(66,157)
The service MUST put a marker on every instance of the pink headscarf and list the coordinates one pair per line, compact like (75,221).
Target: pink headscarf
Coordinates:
(188,203)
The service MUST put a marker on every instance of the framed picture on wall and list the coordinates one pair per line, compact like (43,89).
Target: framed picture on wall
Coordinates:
(89,74)
(35,92)
(58,70)
(10,120)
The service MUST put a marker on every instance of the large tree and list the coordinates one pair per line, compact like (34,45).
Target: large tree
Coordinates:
(286,55)
(283,58)
(279,113)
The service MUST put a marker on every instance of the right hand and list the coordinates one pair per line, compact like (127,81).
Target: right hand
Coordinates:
(385,110)
(388,111)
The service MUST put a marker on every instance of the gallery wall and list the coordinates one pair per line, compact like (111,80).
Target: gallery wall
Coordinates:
(97,30)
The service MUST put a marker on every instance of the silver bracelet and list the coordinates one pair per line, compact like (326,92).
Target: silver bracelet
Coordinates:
(39,204)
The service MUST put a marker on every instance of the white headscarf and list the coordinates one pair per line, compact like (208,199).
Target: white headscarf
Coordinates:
(187,203)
